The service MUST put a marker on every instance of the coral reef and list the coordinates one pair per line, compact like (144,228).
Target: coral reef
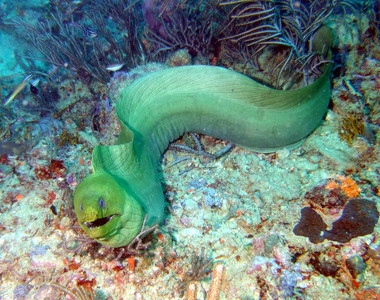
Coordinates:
(241,208)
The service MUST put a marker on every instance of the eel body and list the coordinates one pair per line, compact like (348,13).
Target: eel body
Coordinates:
(111,203)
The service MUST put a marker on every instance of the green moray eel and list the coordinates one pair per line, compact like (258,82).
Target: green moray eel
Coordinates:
(111,203)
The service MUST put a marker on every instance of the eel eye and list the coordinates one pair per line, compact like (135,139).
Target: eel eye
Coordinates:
(81,207)
(101,203)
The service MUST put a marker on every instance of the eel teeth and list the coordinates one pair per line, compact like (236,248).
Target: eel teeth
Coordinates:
(98,222)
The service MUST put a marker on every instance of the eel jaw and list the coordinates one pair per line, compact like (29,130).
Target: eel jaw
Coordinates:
(99,222)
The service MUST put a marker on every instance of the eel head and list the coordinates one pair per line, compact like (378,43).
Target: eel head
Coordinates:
(106,211)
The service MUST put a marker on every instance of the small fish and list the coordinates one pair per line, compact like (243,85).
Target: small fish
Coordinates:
(33,86)
(18,89)
(88,32)
(35,82)
(115,67)
(92,33)
(347,84)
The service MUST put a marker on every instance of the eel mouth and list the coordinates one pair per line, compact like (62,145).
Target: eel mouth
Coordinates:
(99,222)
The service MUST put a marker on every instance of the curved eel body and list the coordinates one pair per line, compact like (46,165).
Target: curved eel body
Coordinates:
(156,109)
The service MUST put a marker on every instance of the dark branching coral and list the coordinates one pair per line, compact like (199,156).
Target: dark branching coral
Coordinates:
(280,26)
(190,25)
(126,18)
(82,42)
(64,44)
(87,36)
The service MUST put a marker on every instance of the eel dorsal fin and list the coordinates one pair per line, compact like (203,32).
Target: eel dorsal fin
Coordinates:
(119,159)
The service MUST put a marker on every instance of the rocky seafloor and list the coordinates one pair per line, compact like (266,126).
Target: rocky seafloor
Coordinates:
(241,210)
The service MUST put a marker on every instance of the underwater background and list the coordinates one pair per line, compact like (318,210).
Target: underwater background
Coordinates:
(293,224)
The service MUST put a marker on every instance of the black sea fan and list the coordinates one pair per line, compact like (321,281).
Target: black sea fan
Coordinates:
(284,25)
(187,24)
